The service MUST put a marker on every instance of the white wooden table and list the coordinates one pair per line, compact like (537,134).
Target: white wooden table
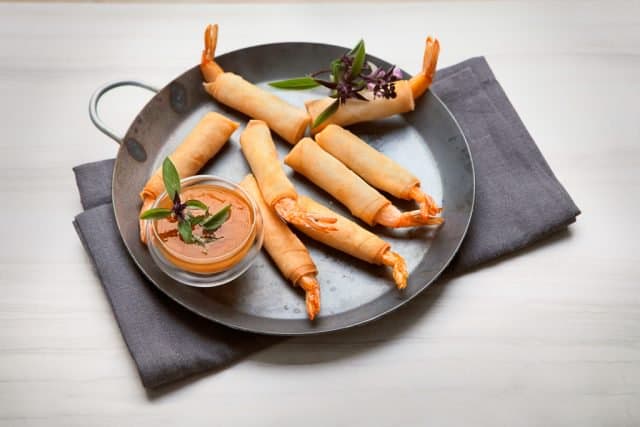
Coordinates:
(548,337)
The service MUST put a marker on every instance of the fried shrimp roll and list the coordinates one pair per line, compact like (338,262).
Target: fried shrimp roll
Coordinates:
(374,167)
(232,90)
(286,250)
(356,241)
(407,91)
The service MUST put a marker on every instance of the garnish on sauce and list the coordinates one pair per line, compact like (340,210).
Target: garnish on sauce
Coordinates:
(349,75)
(184,212)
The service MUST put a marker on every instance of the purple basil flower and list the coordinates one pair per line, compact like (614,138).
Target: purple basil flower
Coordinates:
(397,73)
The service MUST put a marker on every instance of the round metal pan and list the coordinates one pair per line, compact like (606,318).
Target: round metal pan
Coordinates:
(427,141)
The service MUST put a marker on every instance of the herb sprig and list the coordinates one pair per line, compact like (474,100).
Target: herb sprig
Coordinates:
(349,75)
(182,211)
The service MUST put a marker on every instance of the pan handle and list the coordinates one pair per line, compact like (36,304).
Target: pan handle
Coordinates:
(95,99)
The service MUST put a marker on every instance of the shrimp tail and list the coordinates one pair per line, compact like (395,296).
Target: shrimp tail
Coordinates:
(428,206)
(390,216)
(421,81)
(210,69)
(310,285)
(399,266)
(291,212)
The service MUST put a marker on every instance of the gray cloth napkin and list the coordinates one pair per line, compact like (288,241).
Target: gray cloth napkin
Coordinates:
(518,201)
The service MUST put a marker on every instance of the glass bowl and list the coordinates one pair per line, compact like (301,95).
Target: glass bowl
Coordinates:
(217,269)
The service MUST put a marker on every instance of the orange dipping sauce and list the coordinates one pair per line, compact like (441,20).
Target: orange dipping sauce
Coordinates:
(235,236)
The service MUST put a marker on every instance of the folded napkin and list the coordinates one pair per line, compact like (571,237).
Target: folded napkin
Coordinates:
(518,201)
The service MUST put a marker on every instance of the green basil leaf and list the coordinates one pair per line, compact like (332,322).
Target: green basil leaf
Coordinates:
(297,83)
(195,220)
(184,228)
(326,113)
(171,178)
(336,68)
(355,49)
(155,213)
(196,204)
(359,54)
(216,220)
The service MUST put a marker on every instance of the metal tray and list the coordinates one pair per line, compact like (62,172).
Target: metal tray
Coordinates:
(427,141)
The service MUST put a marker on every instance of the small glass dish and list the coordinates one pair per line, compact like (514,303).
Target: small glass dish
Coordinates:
(204,270)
